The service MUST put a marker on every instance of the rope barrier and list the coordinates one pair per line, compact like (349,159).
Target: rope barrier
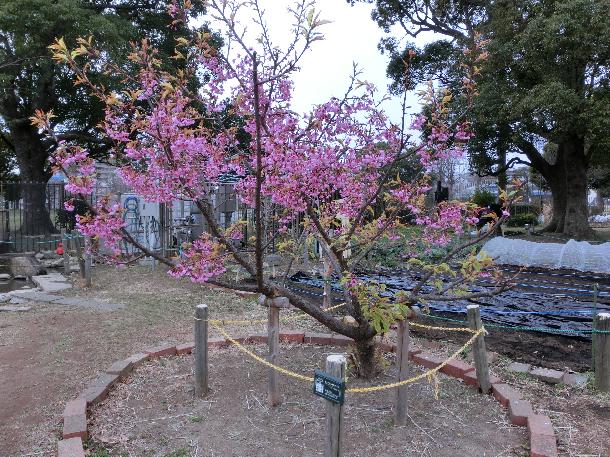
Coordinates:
(449,329)
(259,359)
(520,328)
(264,321)
(428,374)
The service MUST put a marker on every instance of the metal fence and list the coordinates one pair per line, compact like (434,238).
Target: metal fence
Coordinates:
(31,215)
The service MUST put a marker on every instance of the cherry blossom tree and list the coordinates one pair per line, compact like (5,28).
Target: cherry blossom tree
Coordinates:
(331,165)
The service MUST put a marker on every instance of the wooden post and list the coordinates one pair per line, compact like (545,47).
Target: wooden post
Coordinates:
(601,343)
(595,286)
(88,261)
(479,350)
(273,340)
(79,254)
(335,366)
(66,255)
(402,356)
(328,269)
(201,350)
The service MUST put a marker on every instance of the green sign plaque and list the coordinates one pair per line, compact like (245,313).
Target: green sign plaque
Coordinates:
(328,387)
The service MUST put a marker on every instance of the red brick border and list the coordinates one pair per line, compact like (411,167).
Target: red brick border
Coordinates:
(543,442)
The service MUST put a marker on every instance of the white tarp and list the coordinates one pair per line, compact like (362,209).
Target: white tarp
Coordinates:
(575,255)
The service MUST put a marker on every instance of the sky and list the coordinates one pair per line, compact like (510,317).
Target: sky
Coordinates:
(352,36)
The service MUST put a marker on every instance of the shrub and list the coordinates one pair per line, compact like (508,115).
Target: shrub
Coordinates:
(521,219)
(483,198)
(522,209)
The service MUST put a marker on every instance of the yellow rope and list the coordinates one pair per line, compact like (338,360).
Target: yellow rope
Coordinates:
(429,374)
(449,329)
(264,321)
(261,359)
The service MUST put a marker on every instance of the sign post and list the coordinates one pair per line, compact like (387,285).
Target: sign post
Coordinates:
(330,385)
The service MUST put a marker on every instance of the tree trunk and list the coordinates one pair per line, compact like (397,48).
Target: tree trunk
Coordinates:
(558,196)
(576,222)
(366,363)
(33,167)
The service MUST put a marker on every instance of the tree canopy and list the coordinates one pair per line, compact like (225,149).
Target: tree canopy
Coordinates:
(30,80)
(546,81)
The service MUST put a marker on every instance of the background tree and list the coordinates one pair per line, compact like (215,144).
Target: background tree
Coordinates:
(546,80)
(30,80)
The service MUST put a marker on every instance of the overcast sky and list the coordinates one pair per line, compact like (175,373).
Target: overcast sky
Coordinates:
(351,37)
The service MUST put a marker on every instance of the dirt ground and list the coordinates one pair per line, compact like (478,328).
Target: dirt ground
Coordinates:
(158,415)
(48,355)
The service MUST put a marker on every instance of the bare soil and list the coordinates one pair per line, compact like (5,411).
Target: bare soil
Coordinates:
(48,355)
(156,414)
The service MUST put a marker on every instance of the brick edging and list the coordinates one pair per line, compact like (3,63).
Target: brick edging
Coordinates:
(543,442)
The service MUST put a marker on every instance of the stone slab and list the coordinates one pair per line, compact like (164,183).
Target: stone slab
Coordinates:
(91,304)
(575,379)
(427,360)
(540,425)
(5,276)
(185,348)
(317,338)
(15,309)
(292,337)
(138,359)
(457,368)
(470,379)
(547,375)
(40,296)
(52,282)
(121,368)
(543,446)
(72,447)
(505,393)
(161,351)
(519,411)
(518,367)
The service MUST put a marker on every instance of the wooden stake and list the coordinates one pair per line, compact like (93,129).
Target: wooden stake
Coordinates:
(326,297)
(201,350)
(64,242)
(88,261)
(79,254)
(601,343)
(335,366)
(479,350)
(273,340)
(402,355)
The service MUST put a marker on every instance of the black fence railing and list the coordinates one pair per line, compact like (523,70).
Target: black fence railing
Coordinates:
(32,215)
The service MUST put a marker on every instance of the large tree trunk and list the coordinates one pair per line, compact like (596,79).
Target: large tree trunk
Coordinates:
(576,221)
(32,159)
(558,197)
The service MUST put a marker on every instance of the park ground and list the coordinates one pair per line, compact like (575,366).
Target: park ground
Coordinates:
(47,356)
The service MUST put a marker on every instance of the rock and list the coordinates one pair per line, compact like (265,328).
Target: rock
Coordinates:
(547,375)
(4,298)
(5,277)
(16,309)
(39,256)
(349,320)
(52,263)
(25,266)
(575,379)
(52,282)
(17,301)
(517,367)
